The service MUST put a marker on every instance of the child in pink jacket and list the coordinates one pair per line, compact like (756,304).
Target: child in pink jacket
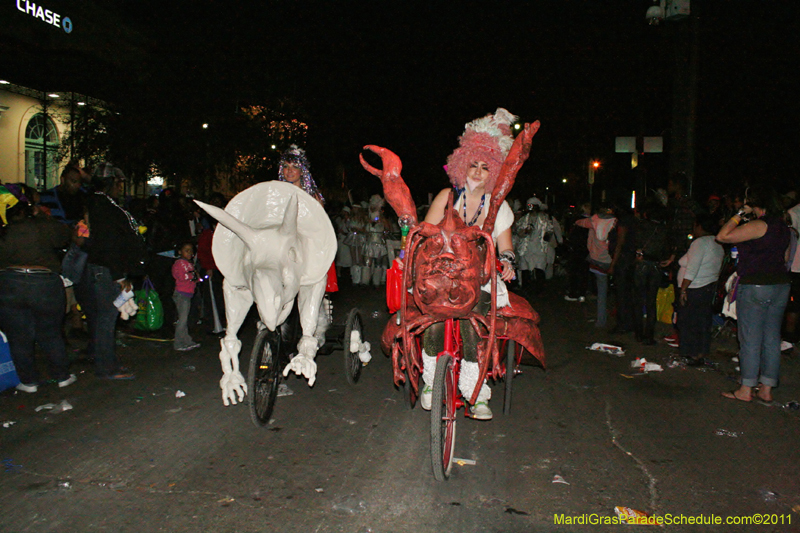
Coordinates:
(185,281)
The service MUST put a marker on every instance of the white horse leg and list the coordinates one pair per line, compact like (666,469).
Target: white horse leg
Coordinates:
(237,304)
(308,304)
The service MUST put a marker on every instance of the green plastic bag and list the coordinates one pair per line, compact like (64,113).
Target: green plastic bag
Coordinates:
(151,313)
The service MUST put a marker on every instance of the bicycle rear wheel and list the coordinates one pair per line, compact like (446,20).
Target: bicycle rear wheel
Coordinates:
(443,417)
(264,376)
(352,363)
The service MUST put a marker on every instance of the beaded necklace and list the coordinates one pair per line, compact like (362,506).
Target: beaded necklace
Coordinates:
(131,221)
(477,213)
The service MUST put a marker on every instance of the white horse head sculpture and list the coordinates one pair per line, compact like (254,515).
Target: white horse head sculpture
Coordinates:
(274,243)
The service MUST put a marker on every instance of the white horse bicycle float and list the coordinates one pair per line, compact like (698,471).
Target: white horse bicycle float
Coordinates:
(274,243)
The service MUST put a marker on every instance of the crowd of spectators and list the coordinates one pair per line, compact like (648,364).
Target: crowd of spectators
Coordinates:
(673,246)
(72,251)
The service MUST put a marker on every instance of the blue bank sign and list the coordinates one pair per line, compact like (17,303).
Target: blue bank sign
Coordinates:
(45,15)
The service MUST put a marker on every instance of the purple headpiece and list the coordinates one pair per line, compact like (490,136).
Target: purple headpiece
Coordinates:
(297,156)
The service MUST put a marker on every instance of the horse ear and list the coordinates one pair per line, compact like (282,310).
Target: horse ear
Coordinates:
(289,224)
(242,230)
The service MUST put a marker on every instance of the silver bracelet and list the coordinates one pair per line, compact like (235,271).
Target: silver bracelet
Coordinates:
(509,256)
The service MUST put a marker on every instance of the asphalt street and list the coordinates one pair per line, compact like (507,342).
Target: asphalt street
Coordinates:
(161,453)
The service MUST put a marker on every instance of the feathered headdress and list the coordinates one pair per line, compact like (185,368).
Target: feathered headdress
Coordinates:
(296,156)
(485,139)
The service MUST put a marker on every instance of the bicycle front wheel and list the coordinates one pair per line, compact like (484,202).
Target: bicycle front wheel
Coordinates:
(264,376)
(443,417)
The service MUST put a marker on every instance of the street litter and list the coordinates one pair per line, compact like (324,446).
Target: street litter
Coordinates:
(284,390)
(792,406)
(634,517)
(350,505)
(320,490)
(559,479)
(675,363)
(64,484)
(607,348)
(725,433)
(9,423)
(55,407)
(767,495)
(376,314)
(180,394)
(9,466)
(642,364)
(463,462)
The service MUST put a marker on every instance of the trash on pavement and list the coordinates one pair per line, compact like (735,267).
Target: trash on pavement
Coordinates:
(768,496)
(64,484)
(792,406)
(9,466)
(320,489)
(9,423)
(462,462)
(725,433)
(642,364)
(632,516)
(376,314)
(55,407)
(559,479)
(284,390)
(350,505)
(607,348)
(180,394)
(676,363)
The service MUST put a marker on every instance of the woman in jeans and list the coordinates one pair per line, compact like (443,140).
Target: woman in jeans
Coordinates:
(763,290)
(32,298)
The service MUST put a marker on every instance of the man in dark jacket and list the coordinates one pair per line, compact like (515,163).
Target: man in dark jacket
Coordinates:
(116,251)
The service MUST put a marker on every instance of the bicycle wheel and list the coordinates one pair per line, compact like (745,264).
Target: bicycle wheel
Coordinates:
(511,361)
(264,376)
(443,417)
(352,363)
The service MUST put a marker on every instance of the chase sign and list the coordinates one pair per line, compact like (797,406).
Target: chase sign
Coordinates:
(45,15)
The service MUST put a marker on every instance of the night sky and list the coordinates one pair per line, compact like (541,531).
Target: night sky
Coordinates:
(408,75)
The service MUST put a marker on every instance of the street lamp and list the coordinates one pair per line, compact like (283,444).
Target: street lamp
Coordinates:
(593,166)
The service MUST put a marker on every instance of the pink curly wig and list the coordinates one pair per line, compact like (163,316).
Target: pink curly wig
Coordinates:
(485,139)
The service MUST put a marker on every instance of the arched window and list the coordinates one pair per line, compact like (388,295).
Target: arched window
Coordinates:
(41,149)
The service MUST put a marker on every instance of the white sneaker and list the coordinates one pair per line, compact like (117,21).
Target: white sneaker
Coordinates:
(786,345)
(481,411)
(69,381)
(425,398)
(27,388)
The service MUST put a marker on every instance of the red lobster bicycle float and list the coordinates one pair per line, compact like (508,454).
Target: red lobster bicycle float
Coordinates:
(445,267)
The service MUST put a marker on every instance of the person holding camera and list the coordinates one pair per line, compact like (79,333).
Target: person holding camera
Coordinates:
(763,292)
